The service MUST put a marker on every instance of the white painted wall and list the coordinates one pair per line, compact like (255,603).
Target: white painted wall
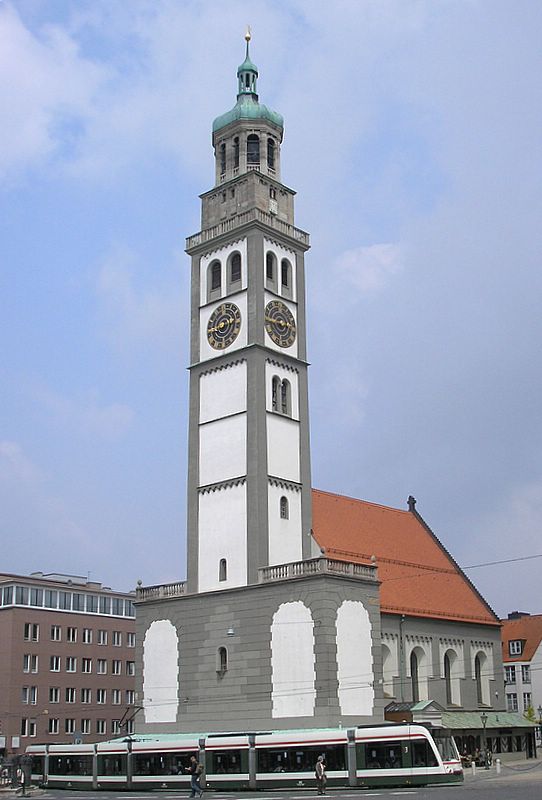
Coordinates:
(223,392)
(222,534)
(206,351)
(270,371)
(161,672)
(280,253)
(355,670)
(222,255)
(268,341)
(285,535)
(292,661)
(222,449)
(283,447)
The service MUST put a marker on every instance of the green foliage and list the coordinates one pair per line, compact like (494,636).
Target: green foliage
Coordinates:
(529,714)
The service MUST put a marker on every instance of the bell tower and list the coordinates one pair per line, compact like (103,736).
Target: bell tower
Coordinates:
(249,481)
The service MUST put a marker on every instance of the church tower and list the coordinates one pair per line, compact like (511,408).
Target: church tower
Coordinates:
(249,482)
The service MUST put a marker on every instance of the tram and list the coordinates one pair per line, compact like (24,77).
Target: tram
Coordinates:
(367,756)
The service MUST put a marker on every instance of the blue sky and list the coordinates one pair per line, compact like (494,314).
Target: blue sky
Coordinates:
(413,140)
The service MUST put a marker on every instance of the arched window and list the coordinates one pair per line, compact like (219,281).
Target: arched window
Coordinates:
(414,677)
(387,671)
(216,275)
(285,398)
(235,268)
(270,269)
(222,569)
(253,149)
(222,158)
(284,511)
(448,678)
(270,153)
(482,680)
(275,391)
(285,271)
(236,152)
(222,660)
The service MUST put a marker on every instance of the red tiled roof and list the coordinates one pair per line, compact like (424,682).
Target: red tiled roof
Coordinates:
(526,629)
(419,578)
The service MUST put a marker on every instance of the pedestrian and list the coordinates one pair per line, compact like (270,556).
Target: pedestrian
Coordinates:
(196,770)
(21,780)
(320,772)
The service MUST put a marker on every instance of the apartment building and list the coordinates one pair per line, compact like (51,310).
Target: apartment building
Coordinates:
(67,661)
(522,658)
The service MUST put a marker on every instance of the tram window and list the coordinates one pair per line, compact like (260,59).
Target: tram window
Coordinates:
(423,755)
(383,756)
(227,762)
(446,747)
(38,764)
(161,763)
(70,765)
(112,765)
(301,758)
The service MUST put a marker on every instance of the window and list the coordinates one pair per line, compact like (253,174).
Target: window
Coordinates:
(270,153)
(86,665)
(130,667)
(36,597)
(235,268)
(30,663)
(101,696)
(105,605)
(101,726)
(115,726)
(116,667)
(54,694)
(448,678)
(270,262)
(56,633)
(86,695)
(526,700)
(510,674)
(414,677)
(130,726)
(92,603)
(101,667)
(54,664)
(222,570)
(70,694)
(216,276)
(24,694)
(50,598)
(102,637)
(285,395)
(236,153)
(116,697)
(275,389)
(85,726)
(24,726)
(69,726)
(65,601)
(117,638)
(253,149)
(21,595)
(29,694)
(53,725)
(118,606)
(515,647)
(87,635)
(28,727)
(130,697)
(31,632)
(284,513)
(512,701)
(222,660)
(130,640)
(285,272)
(78,602)
(71,634)
(525,673)
(71,664)
(222,158)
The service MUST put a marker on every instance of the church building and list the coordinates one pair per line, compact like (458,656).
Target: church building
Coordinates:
(300,608)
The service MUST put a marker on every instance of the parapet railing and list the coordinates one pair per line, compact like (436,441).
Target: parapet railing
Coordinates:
(165,590)
(254,214)
(317,566)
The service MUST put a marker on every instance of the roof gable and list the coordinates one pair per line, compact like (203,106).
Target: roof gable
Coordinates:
(419,577)
(526,629)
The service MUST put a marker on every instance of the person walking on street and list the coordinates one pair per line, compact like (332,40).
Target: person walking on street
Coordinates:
(21,780)
(196,770)
(320,772)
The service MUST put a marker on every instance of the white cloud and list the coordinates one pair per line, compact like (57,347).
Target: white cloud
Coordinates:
(15,465)
(369,268)
(86,415)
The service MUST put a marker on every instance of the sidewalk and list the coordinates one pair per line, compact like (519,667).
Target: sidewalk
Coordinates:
(521,770)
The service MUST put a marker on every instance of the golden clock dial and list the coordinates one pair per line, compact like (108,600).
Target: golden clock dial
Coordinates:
(223,326)
(280,323)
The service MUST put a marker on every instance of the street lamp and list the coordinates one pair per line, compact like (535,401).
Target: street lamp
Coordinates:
(483,719)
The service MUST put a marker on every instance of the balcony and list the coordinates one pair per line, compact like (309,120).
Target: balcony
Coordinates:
(253,215)
(317,566)
(161,592)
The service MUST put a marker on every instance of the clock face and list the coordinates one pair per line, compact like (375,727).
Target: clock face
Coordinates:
(280,323)
(223,326)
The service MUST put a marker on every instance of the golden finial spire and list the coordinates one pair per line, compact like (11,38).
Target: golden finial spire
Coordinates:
(248,35)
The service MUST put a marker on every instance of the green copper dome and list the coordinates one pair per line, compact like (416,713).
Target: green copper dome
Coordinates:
(248,105)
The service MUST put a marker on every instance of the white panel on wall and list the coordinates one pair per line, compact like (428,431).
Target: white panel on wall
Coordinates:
(161,672)
(292,661)
(223,392)
(292,351)
(222,255)
(280,253)
(355,670)
(206,351)
(222,449)
(283,447)
(285,535)
(271,370)
(222,535)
